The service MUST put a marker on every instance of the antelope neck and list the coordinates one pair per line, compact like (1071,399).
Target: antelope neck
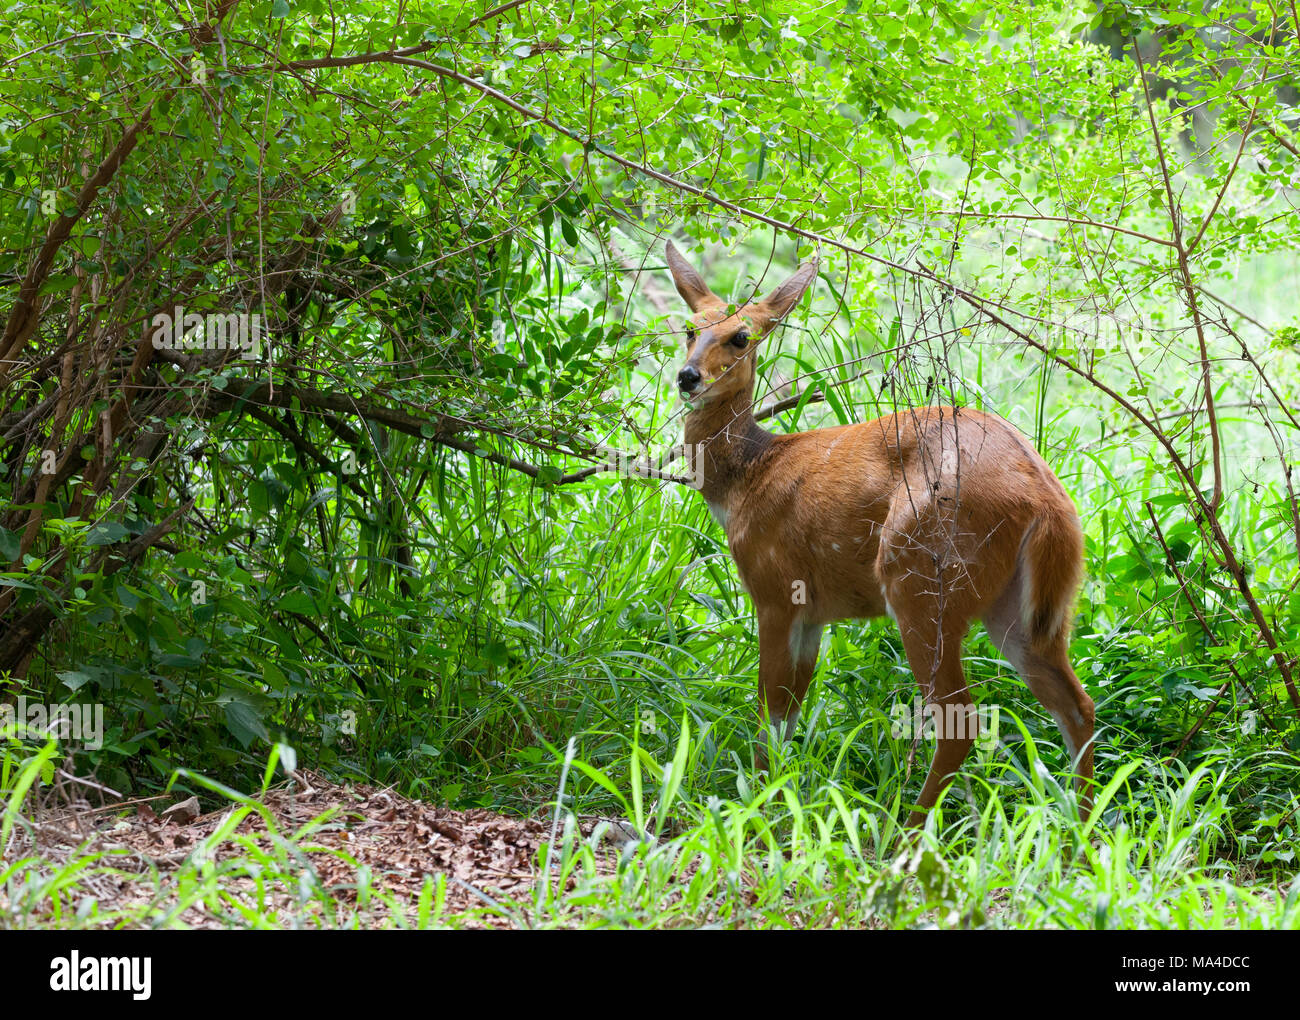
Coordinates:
(729,439)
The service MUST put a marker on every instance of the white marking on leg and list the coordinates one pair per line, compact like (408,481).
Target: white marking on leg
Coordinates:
(805,641)
(779,726)
(1065,735)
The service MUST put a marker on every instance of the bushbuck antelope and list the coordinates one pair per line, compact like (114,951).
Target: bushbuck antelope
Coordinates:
(936,516)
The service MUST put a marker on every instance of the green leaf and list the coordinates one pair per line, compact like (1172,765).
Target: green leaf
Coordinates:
(245,722)
(672,780)
(188,559)
(496,653)
(106,533)
(74,680)
(297,602)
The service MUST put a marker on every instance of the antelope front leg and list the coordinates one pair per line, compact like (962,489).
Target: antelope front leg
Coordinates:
(787,656)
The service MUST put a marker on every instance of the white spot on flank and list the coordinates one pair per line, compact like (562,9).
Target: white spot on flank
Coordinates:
(949,465)
(835,546)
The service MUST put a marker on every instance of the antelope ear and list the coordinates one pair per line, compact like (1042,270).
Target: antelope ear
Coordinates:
(690,285)
(786,296)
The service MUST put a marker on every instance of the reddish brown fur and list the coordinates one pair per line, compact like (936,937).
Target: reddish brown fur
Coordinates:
(938,515)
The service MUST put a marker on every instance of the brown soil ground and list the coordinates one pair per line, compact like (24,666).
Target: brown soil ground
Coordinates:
(487,858)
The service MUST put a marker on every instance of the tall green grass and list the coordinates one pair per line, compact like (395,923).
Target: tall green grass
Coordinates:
(799,850)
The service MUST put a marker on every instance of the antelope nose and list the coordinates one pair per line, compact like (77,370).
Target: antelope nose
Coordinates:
(688,378)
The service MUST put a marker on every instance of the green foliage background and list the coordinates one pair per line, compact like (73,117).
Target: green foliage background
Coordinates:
(379,542)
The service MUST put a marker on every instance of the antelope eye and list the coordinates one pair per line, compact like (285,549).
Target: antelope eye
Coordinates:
(740,340)
(690,335)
